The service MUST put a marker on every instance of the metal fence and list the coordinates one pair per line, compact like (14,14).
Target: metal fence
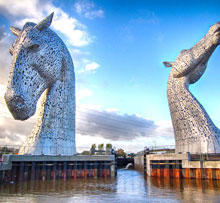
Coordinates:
(157,148)
(165,147)
(40,150)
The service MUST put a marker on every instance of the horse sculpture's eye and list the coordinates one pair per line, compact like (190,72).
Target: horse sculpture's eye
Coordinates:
(34,47)
(11,49)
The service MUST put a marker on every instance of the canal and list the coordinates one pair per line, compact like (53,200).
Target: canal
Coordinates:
(128,186)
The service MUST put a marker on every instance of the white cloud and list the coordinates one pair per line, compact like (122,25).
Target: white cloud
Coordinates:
(21,8)
(112,110)
(5,58)
(71,28)
(95,107)
(82,93)
(36,10)
(82,7)
(2,90)
(92,66)
(165,128)
(147,17)
(80,59)
(94,125)
(129,132)
(14,132)
(95,14)
(113,126)
(89,66)
(88,10)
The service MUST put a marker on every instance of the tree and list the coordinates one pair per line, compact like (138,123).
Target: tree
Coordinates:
(92,149)
(93,146)
(121,152)
(109,146)
(100,146)
(85,153)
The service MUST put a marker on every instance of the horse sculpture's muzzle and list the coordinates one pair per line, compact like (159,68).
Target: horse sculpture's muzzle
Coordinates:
(18,106)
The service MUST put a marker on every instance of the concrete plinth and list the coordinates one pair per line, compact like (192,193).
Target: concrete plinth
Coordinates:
(186,165)
(34,167)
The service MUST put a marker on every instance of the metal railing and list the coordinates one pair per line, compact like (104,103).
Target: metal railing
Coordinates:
(40,150)
(165,147)
(157,148)
(50,150)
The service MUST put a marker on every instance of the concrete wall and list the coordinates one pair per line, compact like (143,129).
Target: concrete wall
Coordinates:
(139,162)
(32,167)
(181,166)
(167,157)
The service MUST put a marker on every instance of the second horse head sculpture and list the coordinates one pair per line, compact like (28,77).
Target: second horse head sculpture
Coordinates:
(193,128)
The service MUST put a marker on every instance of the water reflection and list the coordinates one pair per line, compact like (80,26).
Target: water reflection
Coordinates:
(129,186)
(186,190)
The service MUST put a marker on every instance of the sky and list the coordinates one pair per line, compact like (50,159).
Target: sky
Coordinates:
(117,47)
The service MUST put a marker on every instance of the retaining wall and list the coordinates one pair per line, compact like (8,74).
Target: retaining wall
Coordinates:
(27,167)
(139,162)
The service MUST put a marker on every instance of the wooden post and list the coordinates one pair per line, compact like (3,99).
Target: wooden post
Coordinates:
(198,173)
(209,173)
(1,176)
(90,169)
(167,171)
(112,168)
(25,171)
(145,163)
(187,173)
(21,171)
(192,173)
(69,169)
(54,171)
(48,171)
(85,170)
(37,172)
(14,175)
(79,169)
(218,174)
(43,172)
(96,169)
(59,169)
(100,169)
(158,172)
(33,165)
(75,170)
(64,169)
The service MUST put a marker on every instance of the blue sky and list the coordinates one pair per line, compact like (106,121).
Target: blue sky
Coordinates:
(118,47)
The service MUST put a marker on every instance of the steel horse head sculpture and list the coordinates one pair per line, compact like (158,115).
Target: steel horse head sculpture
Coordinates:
(193,128)
(41,64)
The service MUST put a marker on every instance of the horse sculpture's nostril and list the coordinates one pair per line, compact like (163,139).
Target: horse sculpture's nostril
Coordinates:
(14,101)
(17,106)
(19,99)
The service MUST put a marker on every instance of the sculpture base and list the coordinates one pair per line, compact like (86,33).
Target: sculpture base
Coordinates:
(46,151)
(198,147)
(46,146)
(69,149)
(18,168)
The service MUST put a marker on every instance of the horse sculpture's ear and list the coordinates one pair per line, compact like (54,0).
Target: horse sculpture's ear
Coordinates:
(15,31)
(45,23)
(167,64)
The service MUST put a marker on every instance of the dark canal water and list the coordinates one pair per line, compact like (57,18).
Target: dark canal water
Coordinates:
(129,186)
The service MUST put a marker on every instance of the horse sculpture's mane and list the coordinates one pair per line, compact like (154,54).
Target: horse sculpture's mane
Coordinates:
(40,64)
(194,130)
